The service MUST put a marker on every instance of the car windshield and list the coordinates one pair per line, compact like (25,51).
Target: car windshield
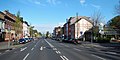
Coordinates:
(59,29)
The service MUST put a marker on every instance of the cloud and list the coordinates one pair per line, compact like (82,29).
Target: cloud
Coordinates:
(96,6)
(82,2)
(53,2)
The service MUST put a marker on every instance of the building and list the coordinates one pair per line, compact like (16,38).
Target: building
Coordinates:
(9,25)
(58,32)
(26,32)
(79,26)
(2,26)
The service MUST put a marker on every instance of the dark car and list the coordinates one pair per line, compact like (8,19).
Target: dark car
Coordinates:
(22,41)
(27,39)
(31,39)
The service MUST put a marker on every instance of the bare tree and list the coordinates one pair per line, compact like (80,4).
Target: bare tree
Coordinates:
(96,18)
(117,8)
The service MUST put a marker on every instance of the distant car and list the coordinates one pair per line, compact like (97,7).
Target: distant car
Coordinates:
(22,41)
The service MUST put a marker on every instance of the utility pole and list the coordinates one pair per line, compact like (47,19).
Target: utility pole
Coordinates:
(77,23)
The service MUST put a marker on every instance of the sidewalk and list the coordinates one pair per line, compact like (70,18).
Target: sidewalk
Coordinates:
(4,45)
(101,45)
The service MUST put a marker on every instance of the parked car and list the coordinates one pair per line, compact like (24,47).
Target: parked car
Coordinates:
(115,41)
(22,41)
(27,39)
(31,39)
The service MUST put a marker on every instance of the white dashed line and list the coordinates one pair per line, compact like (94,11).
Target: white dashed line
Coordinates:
(62,57)
(59,52)
(54,49)
(26,56)
(98,57)
(111,52)
(77,49)
(65,58)
(56,52)
(22,49)
(32,48)
(7,50)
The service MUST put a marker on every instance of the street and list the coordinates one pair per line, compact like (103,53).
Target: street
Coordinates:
(47,49)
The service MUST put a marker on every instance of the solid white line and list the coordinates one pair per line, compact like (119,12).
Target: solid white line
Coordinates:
(111,52)
(49,43)
(62,57)
(65,58)
(22,49)
(77,49)
(26,56)
(41,48)
(98,57)
(32,48)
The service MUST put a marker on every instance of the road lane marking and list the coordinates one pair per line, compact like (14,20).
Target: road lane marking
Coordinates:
(49,43)
(54,49)
(65,58)
(98,57)
(111,52)
(65,45)
(77,49)
(56,52)
(32,48)
(26,56)
(22,49)
(41,48)
(59,52)
(62,57)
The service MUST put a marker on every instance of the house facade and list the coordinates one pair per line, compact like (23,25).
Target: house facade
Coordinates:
(2,26)
(82,25)
(26,32)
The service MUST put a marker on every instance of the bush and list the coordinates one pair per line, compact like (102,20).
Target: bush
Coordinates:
(102,40)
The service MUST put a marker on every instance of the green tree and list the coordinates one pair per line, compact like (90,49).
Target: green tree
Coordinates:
(17,24)
(115,22)
(31,30)
(47,34)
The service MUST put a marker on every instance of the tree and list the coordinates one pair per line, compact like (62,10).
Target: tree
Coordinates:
(31,30)
(47,34)
(115,22)
(17,24)
(117,8)
(96,19)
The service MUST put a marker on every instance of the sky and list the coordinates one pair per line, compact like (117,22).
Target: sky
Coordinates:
(44,15)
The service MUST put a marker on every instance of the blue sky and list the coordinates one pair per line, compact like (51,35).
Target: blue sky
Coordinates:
(46,14)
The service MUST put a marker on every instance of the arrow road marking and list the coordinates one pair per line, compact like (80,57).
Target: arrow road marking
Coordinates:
(41,48)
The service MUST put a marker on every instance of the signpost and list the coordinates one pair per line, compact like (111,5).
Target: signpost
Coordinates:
(9,29)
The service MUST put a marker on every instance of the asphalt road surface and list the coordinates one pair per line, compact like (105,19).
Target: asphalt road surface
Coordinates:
(47,49)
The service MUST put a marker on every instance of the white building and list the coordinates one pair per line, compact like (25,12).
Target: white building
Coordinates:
(80,26)
(26,31)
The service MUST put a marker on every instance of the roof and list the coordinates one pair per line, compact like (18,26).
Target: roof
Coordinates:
(74,20)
